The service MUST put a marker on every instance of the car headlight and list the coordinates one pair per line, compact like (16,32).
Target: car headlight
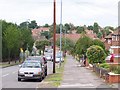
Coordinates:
(19,72)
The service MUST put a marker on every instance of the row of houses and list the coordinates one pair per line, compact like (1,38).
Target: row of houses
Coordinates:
(112,41)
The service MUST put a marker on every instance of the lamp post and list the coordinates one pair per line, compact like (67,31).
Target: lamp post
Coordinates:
(60,34)
(54,35)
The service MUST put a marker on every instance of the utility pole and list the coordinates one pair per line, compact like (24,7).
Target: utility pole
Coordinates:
(54,36)
(60,34)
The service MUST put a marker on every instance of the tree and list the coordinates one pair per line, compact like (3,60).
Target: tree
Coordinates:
(47,34)
(24,25)
(99,35)
(90,27)
(68,46)
(15,37)
(67,27)
(95,54)
(96,28)
(11,37)
(46,25)
(82,44)
(33,24)
(26,39)
(41,45)
(80,29)
(99,43)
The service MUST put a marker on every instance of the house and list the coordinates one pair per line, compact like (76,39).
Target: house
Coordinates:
(74,36)
(36,33)
(112,43)
(107,41)
(115,47)
(90,34)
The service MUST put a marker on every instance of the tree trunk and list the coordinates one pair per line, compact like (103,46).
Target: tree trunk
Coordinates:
(9,57)
(15,58)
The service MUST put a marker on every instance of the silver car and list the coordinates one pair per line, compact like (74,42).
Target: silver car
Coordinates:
(31,70)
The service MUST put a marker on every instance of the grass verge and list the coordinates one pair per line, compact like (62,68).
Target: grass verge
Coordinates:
(55,79)
(5,64)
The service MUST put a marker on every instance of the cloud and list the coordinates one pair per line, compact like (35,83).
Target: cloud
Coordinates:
(75,11)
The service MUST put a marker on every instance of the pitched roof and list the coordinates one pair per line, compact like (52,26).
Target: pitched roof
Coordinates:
(117,32)
(73,37)
(108,37)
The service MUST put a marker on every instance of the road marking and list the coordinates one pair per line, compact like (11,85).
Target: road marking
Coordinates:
(5,75)
(14,72)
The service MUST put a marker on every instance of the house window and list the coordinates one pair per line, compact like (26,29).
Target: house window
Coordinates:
(113,38)
(109,41)
(116,38)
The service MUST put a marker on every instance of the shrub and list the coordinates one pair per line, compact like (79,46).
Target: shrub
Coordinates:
(105,65)
(96,54)
(115,69)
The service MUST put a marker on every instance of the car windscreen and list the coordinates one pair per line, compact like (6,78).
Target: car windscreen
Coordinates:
(31,65)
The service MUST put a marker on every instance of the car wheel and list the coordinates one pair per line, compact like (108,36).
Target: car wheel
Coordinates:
(19,79)
(40,79)
(46,73)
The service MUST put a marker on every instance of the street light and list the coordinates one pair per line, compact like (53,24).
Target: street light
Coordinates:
(60,33)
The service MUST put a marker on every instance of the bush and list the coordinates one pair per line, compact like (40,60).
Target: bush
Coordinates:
(105,65)
(115,69)
(96,54)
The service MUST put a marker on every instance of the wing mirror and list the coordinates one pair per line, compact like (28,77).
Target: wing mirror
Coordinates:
(42,66)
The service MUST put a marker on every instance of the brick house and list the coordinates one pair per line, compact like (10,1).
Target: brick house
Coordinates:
(37,32)
(112,43)
(115,47)
(108,41)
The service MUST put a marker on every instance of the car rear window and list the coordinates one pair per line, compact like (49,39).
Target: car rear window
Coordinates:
(31,65)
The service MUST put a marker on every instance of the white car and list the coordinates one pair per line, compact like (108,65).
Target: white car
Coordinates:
(48,57)
(31,69)
(58,59)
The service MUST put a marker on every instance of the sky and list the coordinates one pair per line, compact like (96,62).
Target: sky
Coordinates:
(78,12)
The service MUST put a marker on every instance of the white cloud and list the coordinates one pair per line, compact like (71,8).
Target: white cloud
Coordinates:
(78,12)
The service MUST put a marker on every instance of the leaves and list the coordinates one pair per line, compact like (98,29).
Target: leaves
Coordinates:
(95,54)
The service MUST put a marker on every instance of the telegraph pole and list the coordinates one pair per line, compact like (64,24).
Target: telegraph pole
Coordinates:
(54,35)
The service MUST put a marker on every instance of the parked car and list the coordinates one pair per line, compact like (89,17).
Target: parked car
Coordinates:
(42,59)
(58,58)
(48,57)
(31,69)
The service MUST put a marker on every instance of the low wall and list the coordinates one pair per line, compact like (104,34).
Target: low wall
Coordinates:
(114,78)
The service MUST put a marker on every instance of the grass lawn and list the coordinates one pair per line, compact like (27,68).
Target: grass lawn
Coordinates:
(55,79)
(5,64)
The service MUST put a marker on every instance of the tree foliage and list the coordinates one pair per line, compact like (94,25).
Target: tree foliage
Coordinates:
(90,27)
(14,37)
(96,28)
(82,44)
(96,54)
(33,24)
(80,29)
(68,46)
(41,45)
(47,34)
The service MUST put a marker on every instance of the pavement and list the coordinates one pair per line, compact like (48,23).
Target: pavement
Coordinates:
(80,77)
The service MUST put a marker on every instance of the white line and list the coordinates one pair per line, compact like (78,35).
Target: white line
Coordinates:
(5,75)
(13,72)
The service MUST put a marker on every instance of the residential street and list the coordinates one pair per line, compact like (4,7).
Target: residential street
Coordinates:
(80,77)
